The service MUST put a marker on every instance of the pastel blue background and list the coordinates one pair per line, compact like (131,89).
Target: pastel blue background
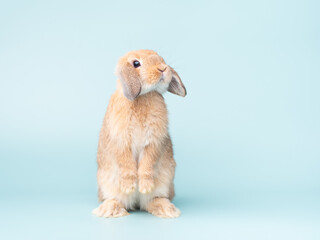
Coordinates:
(246,137)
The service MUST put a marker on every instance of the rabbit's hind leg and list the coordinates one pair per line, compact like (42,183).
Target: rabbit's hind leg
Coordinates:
(110,208)
(162,207)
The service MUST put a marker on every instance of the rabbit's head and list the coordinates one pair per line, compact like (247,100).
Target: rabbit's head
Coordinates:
(144,71)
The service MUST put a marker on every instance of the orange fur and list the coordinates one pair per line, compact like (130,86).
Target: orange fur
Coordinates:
(135,156)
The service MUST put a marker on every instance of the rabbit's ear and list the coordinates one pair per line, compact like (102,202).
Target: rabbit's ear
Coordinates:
(130,80)
(176,86)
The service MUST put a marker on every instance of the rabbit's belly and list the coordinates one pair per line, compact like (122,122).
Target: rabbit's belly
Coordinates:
(137,151)
(140,139)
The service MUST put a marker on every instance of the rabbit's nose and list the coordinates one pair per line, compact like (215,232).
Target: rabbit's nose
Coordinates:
(162,70)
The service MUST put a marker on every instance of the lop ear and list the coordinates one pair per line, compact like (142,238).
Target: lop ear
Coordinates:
(130,80)
(176,86)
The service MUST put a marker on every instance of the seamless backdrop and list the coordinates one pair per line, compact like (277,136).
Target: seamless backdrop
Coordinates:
(246,137)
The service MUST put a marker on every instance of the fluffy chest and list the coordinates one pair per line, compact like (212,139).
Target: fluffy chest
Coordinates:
(150,129)
(137,123)
(140,138)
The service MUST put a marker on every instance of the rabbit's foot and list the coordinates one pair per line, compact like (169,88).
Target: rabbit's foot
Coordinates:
(146,185)
(162,207)
(110,208)
(128,184)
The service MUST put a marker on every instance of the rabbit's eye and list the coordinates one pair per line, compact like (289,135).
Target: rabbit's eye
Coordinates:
(136,64)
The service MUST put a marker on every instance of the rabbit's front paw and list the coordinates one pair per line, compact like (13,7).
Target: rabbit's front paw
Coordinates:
(128,184)
(146,185)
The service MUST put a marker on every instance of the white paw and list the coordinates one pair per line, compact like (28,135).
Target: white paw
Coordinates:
(165,210)
(128,185)
(146,185)
(110,208)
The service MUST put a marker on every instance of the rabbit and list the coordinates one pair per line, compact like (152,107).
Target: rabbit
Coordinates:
(135,157)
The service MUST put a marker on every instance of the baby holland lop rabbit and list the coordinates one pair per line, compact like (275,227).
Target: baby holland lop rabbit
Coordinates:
(135,157)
